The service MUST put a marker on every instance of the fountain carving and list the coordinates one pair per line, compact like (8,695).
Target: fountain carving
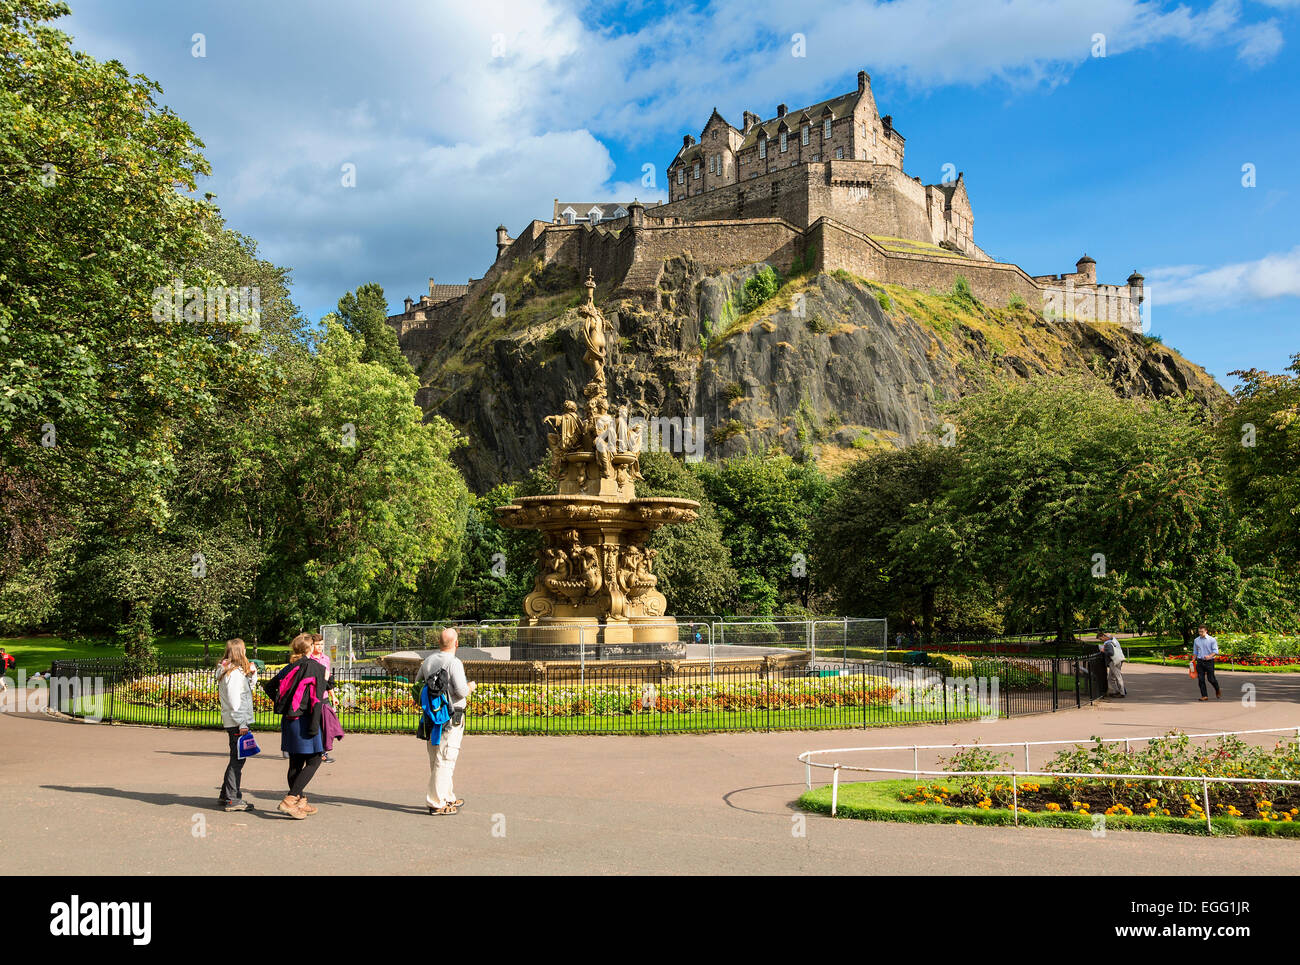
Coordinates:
(595,582)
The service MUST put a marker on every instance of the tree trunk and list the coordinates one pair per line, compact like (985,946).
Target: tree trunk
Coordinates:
(927,612)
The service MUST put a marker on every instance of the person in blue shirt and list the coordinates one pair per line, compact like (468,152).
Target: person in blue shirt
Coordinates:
(1204,651)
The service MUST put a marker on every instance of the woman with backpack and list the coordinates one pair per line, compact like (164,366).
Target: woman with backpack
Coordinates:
(297,691)
(235,678)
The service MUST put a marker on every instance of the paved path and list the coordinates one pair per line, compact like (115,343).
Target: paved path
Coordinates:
(95,799)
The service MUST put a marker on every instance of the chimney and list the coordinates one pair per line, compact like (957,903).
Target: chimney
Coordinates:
(863,80)
(780,110)
(430,286)
(687,140)
(409,303)
(750,119)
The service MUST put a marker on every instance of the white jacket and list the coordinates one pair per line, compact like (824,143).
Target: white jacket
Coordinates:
(236,689)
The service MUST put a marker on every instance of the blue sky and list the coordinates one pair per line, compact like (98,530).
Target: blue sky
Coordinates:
(458,117)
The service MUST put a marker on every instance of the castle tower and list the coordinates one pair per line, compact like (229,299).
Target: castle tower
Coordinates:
(1086,269)
(504,240)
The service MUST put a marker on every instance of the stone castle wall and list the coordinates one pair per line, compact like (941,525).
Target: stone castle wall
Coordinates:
(630,254)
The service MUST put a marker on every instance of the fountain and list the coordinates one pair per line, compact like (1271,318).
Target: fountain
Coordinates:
(595,614)
(595,588)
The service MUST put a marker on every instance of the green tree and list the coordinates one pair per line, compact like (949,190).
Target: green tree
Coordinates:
(692,565)
(1261,447)
(882,545)
(1083,505)
(365,315)
(96,215)
(765,505)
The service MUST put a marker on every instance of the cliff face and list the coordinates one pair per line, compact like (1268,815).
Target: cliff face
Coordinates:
(830,366)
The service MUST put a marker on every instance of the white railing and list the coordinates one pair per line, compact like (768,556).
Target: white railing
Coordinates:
(806,758)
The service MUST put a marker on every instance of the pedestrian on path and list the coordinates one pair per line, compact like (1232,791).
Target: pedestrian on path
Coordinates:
(235,678)
(1205,650)
(333,729)
(297,691)
(444,673)
(1109,645)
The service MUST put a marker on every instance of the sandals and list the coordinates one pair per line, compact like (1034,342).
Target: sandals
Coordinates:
(446,809)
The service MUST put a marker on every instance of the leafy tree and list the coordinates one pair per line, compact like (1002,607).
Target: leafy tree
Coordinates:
(693,565)
(882,545)
(765,505)
(1261,446)
(96,213)
(1081,504)
(365,315)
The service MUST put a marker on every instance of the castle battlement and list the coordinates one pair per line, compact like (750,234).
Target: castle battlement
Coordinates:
(821,187)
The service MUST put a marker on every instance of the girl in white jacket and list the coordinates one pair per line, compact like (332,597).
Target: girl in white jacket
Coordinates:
(235,679)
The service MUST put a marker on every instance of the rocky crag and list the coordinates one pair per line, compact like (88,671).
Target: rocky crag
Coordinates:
(830,366)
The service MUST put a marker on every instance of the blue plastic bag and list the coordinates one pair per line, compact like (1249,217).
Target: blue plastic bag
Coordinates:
(247,746)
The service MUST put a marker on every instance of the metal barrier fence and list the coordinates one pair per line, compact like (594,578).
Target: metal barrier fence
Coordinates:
(621,698)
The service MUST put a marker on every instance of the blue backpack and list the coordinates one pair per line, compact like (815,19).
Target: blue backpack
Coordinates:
(435,708)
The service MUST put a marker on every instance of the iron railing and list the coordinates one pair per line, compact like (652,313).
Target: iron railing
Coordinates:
(613,697)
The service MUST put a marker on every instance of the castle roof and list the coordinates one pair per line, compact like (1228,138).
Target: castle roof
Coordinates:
(838,107)
(582,209)
(442,293)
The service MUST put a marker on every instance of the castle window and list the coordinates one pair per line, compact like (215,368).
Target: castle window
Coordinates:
(839,154)
(697,170)
(711,163)
(826,129)
(873,138)
(681,175)
(804,134)
(762,147)
(784,145)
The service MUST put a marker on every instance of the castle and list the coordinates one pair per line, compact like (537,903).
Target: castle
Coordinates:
(821,187)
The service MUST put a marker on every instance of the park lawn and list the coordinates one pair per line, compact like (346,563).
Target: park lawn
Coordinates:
(878,801)
(36,654)
(815,718)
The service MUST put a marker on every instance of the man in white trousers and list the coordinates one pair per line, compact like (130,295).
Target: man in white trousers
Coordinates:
(441,797)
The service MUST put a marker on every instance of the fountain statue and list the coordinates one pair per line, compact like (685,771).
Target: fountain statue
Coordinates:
(595,584)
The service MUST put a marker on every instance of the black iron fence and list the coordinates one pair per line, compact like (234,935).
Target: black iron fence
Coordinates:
(635,697)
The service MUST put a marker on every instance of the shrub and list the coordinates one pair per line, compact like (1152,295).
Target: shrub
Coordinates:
(961,290)
(759,288)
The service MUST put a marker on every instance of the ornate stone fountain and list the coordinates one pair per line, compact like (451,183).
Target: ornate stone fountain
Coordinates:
(595,583)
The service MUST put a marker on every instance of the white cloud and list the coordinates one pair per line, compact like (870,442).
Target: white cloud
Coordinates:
(1273,276)
(449,139)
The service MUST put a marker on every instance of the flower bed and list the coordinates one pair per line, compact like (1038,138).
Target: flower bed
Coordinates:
(1173,754)
(197,690)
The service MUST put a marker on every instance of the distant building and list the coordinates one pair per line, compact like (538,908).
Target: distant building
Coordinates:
(590,212)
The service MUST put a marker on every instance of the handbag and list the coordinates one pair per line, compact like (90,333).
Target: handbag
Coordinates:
(247,746)
(1191,669)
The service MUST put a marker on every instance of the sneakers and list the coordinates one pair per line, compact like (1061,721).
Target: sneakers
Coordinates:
(238,806)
